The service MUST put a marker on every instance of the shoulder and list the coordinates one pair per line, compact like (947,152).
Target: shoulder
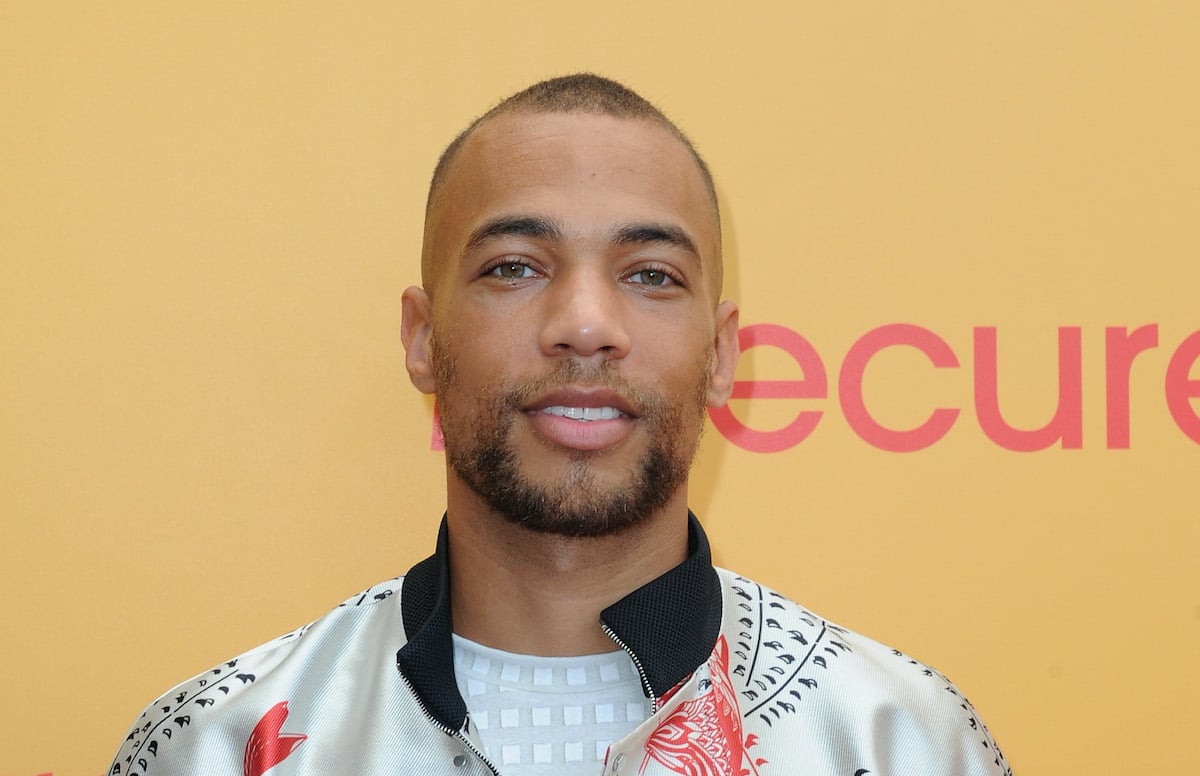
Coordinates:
(226,703)
(789,664)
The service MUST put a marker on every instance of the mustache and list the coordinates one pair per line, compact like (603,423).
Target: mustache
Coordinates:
(572,373)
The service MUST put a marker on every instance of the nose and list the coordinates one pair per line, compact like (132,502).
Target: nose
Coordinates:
(585,316)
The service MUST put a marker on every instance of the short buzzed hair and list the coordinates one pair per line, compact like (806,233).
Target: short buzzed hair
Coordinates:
(578,93)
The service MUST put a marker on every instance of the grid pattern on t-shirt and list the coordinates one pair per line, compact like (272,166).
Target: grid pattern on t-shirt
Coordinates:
(548,716)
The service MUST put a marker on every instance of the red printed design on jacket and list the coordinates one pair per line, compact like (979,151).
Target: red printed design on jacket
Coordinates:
(703,737)
(267,747)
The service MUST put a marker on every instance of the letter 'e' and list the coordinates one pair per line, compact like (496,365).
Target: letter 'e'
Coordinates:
(813,386)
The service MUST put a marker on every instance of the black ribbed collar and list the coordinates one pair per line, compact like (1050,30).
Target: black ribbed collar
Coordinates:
(670,625)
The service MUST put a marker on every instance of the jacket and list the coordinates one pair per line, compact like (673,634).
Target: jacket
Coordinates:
(742,682)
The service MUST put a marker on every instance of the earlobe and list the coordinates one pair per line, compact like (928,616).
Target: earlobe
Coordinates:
(416,332)
(725,355)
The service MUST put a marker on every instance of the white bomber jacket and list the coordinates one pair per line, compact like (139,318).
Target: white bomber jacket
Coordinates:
(743,681)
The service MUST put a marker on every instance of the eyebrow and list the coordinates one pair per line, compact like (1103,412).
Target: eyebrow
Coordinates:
(514,226)
(634,234)
(538,228)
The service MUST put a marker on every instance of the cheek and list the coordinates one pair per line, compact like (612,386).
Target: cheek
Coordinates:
(683,348)
(470,359)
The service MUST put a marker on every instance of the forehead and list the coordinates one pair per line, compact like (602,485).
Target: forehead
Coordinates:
(588,172)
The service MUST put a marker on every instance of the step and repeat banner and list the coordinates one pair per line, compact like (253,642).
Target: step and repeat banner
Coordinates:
(963,238)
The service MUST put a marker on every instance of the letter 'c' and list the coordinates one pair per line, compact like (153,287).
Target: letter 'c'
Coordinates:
(850,383)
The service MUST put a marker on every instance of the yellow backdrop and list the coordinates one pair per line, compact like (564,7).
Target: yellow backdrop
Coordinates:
(209,211)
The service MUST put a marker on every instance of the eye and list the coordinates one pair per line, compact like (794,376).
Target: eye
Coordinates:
(656,278)
(511,270)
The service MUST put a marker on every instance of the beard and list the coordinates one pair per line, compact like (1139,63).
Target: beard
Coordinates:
(577,504)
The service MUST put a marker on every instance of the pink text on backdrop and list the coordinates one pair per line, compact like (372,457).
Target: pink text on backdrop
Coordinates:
(1065,427)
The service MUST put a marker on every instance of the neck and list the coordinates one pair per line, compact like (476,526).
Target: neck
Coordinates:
(541,594)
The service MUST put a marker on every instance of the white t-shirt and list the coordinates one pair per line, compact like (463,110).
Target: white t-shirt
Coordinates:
(548,716)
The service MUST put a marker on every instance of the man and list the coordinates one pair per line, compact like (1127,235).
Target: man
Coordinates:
(570,620)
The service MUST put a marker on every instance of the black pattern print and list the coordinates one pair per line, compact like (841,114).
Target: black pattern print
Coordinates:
(973,720)
(172,714)
(776,666)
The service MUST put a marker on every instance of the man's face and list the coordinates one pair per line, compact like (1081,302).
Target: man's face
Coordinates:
(571,330)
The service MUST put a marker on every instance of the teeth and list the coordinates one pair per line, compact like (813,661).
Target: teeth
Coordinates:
(584,413)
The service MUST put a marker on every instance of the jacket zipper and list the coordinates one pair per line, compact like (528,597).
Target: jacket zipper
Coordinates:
(447,729)
(637,664)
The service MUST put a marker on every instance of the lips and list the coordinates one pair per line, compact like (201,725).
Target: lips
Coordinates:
(584,419)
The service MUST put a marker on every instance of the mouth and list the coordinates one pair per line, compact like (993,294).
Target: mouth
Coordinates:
(580,418)
(585,414)
(583,404)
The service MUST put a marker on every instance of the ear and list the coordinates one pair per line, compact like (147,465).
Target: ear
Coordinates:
(725,355)
(416,332)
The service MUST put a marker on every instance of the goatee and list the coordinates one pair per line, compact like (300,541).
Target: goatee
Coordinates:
(578,504)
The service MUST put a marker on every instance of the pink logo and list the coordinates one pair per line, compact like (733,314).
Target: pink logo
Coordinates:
(267,747)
